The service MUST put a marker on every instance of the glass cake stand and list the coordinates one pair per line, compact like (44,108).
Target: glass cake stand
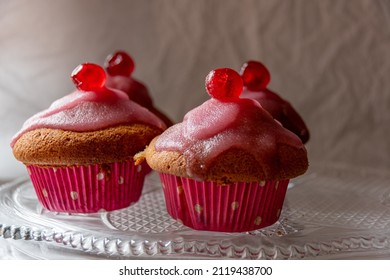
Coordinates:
(331,212)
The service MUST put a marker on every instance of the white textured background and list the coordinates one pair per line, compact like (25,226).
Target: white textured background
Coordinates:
(329,58)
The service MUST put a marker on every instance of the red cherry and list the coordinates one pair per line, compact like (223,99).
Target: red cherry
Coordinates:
(119,64)
(88,76)
(224,84)
(255,75)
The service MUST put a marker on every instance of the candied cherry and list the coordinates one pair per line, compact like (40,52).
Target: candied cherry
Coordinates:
(224,84)
(255,75)
(88,76)
(119,64)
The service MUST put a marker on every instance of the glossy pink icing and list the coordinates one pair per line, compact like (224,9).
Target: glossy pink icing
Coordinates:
(133,88)
(280,110)
(269,100)
(83,111)
(216,126)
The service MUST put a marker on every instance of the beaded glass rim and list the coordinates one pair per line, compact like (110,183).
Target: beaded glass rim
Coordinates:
(330,212)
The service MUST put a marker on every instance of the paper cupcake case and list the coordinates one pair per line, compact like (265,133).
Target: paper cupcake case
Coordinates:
(90,188)
(236,207)
(175,198)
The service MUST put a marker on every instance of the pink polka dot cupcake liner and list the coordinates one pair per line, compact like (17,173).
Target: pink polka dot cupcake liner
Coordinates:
(237,207)
(89,188)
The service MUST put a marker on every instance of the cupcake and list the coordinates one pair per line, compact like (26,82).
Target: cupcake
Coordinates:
(119,67)
(79,152)
(256,78)
(227,165)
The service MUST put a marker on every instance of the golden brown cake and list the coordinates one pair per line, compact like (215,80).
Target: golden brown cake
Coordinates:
(232,165)
(57,147)
(226,167)
(79,152)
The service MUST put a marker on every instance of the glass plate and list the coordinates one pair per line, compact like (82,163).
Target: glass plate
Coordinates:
(329,213)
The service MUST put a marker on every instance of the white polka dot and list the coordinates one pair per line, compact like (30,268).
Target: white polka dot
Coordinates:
(139,168)
(44,193)
(100,176)
(74,195)
(262,183)
(257,221)
(121,180)
(235,205)
(198,208)
(179,190)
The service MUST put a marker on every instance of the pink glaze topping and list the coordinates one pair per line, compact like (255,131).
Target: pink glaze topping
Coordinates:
(269,100)
(217,126)
(255,78)
(120,66)
(136,91)
(281,110)
(90,110)
(222,123)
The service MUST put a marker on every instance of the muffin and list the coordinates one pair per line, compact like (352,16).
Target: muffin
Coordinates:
(79,152)
(256,78)
(226,167)
(119,67)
